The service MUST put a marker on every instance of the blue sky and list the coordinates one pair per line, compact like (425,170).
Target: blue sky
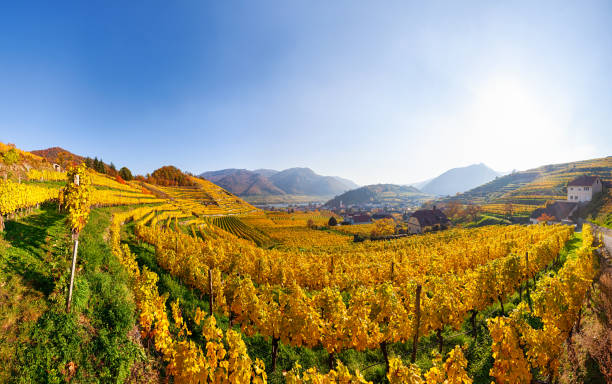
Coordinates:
(372,91)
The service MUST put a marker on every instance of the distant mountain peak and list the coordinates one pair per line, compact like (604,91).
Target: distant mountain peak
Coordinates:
(461,179)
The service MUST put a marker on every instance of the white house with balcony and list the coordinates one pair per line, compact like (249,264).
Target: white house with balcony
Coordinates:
(583,188)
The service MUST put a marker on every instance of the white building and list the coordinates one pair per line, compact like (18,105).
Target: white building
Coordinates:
(583,188)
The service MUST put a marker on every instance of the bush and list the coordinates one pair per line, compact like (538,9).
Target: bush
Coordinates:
(10,157)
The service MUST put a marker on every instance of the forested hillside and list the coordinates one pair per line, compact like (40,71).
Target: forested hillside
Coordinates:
(380,194)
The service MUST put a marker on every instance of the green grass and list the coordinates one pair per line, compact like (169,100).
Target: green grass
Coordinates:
(488,220)
(46,342)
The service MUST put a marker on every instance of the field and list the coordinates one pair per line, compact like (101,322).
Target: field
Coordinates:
(168,276)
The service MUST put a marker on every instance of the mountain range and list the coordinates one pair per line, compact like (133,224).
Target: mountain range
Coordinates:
(268,182)
(458,180)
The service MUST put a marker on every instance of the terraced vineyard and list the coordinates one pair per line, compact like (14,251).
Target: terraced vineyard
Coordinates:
(528,190)
(236,227)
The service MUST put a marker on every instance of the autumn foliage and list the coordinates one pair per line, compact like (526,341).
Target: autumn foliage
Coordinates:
(170,176)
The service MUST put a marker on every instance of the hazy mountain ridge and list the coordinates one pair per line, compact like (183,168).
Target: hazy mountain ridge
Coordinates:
(461,179)
(292,181)
(383,194)
(243,182)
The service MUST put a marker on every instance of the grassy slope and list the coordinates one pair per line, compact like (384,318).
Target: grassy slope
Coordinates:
(40,342)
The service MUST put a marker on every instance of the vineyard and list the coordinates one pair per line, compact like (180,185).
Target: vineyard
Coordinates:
(319,299)
(236,227)
(223,292)
(528,190)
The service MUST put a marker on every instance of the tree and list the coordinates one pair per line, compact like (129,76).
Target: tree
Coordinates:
(544,217)
(99,166)
(453,209)
(112,170)
(472,211)
(125,174)
(332,222)
(89,162)
(169,176)
(61,159)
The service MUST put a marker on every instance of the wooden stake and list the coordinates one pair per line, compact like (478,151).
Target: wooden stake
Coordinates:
(210,291)
(473,321)
(417,305)
(383,348)
(527,282)
(274,352)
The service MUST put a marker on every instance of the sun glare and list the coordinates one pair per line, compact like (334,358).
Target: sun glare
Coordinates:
(507,111)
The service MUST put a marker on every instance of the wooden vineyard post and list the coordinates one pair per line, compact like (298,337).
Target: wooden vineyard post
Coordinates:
(274,352)
(473,321)
(75,236)
(210,290)
(383,348)
(331,360)
(417,307)
(72,272)
(527,281)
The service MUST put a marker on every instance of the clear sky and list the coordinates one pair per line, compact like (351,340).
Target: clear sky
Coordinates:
(369,90)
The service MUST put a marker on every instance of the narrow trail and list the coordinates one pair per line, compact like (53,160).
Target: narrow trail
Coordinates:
(601,348)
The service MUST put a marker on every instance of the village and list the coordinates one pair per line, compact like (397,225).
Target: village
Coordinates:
(435,216)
